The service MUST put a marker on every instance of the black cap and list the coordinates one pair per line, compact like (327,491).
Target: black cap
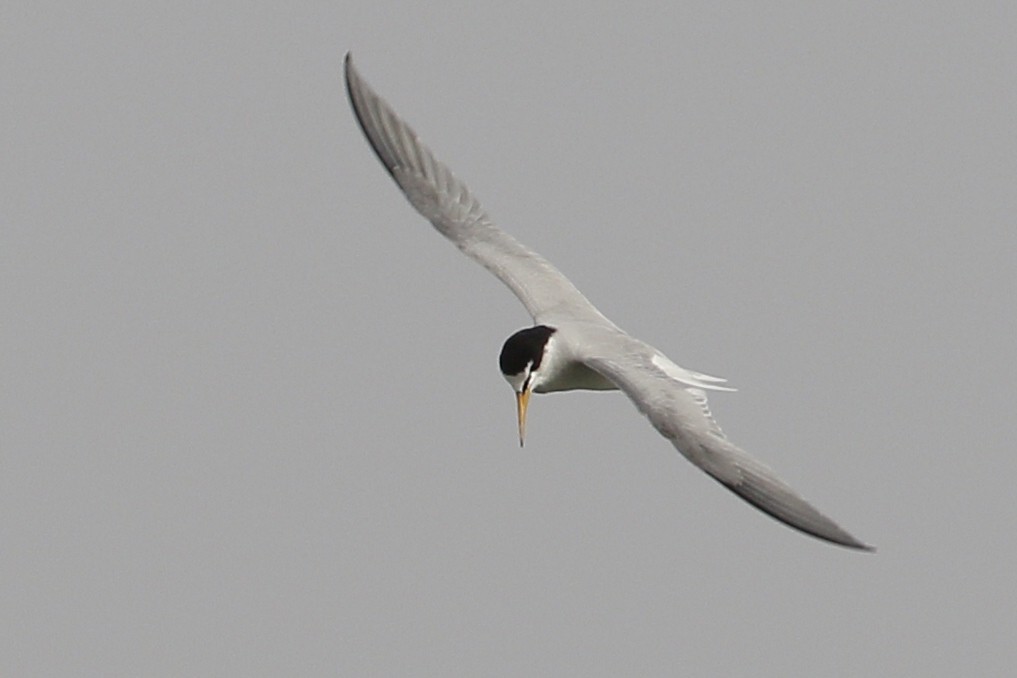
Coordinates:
(524,347)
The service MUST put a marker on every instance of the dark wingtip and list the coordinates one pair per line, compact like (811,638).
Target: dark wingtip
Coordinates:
(348,68)
(855,545)
(353,81)
(837,536)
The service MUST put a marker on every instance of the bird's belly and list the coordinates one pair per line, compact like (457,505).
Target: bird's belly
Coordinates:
(576,377)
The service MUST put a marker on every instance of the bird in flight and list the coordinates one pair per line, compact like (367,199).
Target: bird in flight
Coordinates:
(571,344)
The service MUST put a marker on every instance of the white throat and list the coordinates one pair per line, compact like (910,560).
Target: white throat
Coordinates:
(559,372)
(517,381)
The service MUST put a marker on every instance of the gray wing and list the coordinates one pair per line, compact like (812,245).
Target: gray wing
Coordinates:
(681,415)
(444,200)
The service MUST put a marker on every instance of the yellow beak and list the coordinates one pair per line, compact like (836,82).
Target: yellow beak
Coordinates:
(522,401)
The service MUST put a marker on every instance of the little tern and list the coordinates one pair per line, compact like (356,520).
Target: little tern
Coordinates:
(572,345)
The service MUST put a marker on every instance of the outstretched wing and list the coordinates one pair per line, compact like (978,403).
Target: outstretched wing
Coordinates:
(681,415)
(444,200)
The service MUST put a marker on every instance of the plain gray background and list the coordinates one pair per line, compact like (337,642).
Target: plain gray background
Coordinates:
(252,422)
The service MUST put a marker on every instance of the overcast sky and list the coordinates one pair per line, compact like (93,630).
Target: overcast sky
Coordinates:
(251,421)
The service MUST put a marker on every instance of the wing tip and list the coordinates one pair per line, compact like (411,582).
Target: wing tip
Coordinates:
(350,74)
(821,527)
(362,99)
(348,64)
(850,543)
(352,77)
(843,538)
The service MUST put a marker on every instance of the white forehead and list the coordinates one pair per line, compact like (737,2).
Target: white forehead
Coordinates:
(516,381)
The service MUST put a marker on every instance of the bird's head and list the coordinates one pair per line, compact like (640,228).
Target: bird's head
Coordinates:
(520,361)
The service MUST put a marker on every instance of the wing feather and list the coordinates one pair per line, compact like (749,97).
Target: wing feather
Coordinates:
(447,203)
(682,415)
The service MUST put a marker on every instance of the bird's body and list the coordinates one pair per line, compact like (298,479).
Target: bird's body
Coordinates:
(573,345)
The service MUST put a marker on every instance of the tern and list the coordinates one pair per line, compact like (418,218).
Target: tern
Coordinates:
(572,345)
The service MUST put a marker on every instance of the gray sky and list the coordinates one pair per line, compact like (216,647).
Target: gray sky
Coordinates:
(252,422)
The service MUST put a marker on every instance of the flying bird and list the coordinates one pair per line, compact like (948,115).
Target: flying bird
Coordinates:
(572,345)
